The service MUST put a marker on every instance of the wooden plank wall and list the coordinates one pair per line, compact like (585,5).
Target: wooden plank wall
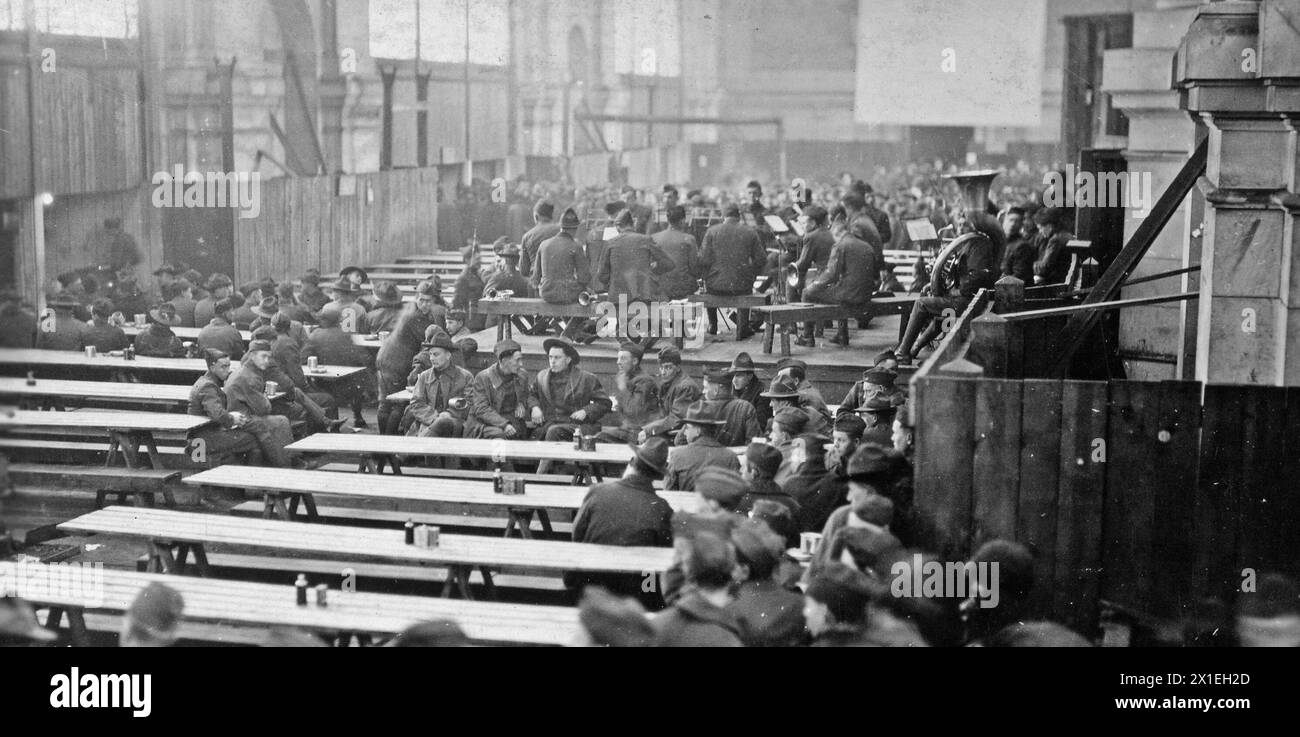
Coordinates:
(303,224)
(1140,493)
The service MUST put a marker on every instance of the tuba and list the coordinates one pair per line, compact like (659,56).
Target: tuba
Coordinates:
(975,187)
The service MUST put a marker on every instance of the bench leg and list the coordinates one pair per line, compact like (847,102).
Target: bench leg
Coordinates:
(545,519)
(522,520)
(161,559)
(785,341)
(273,506)
(489,586)
(200,559)
(769,333)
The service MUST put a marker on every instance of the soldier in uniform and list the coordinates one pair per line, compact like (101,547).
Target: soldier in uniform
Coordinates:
(330,345)
(469,288)
(180,294)
(563,272)
(431,412)
(746,384)
(732,255)
(352,315)
(286,354)
(219,334)
(544,228)
(680,247)
(502,397)
(158,340)
(17,324)
(219,287)
(851,276)
(105,336)
(878,412)
(677,392)
(312,296)
(874,382)
(630,264)
(388,307)
(702,450)
(571,399)
(740,420)
(236,432)
(636,396)
(398,351)
(67,333)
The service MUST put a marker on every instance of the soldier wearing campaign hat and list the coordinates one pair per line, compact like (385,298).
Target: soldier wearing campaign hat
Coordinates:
(544,229)
(66,332)
(747,384)
(331,345)
(562,268)
(702,449)
(503,397)
(439,405)
(875,382)
(158,340)
(740,418)
(677,392)
(399,349)
(572,399)
(352,314)
(219,287)
(879,412)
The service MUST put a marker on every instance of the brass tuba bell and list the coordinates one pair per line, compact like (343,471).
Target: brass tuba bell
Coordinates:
(975,187)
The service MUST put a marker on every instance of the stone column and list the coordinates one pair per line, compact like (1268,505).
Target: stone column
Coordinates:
(1160,139)
(1237,70)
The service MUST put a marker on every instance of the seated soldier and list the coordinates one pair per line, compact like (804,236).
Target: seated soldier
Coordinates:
(469,288)
(787,425)
(236,433)
(875,382)
(421,362)
(388,307)
(312,297)
(264,316)
(702,450)
(104,335)
(730,257)
(219,286)
(572,400)
(438,406)
(506,277)
(352,314)
(220,334)
(158,340)
(180,294)
(762,461)
(286,355)
(503,397)
(852,275)
(677,392)
(247,383)
(636,397)
(456,324)
(784,391)
(397,353)
(739,415)
(563,271)
(65,332)
(331,346)
(17,323)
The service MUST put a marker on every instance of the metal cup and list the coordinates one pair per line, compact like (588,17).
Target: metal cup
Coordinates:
(809,542)
(383,335)
(271,388)
(140,318)
(90,351)
(312,363)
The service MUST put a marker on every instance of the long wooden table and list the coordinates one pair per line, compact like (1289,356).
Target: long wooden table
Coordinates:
(123,367)
(283,488)
(241,603)
(57,393)
(365,341)
(378,450)
(778,317)
(511,308)
(174,536)
(127,431)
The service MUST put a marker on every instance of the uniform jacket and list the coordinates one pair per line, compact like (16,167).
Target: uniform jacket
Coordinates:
(69,334)
(106,337)
(395,355)
(287,354)
(222,336)
(581,390)
(185,311)
(1018,260)
(732,255)
(676,394)
(358,313)
(1052,263)
(816,250)
(767,489)
(486,392)
(383,318)
(819,492)
(686,462)
(768,615)
(563,270)
(624,512)
(638,404)
(208,399)
(529,244)
(246,391)
(762,405)
(680,281)
(693,621)
(851,276)
(432,391)
(204,311)
(159,341)
(629,265)
(742,421)
(513,281)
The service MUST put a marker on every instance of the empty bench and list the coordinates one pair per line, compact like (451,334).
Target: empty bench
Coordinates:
(783,316)
(141,485)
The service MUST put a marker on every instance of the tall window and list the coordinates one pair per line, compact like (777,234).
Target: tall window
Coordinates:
(441,36)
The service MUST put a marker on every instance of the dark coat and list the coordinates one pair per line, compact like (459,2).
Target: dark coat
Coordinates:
(159,341)
(208,399)
(581,390)
(334,347)
(816,250)
(851,276)
(686,462)
(433,390)
(486,394)
(681,248)
(512,281)
(676,394)
(629,265)
(395,355)
(564,271)
(624,512)
(106,337)
(1018,260)
(185,311)
(762,405)
(742,421)
(732,255)
(246,391)
(69,334)
(768,615)
(222,336)
(638,403)
(354,312)
(532,241)
(819,493)
(204,311)
(767,489)
(695,622)
(383,317)
(1052,263)
(287,354)
(314,299)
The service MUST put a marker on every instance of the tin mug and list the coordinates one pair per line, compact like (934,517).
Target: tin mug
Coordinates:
(271,388)
(312,363)
(90,351)
(809,542)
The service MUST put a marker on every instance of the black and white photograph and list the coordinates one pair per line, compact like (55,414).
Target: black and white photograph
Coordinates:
(651,323)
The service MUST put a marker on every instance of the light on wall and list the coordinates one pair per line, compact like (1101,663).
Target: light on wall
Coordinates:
(47,199)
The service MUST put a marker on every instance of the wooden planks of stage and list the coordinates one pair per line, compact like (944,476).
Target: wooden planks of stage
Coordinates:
(832,368)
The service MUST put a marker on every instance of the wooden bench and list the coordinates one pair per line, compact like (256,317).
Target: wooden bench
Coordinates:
(223,601)
(173,537)
(904,263)
(390,518)
(514,307)
(799,312)
(127,431)
(557,479)
(60,394)
(141,485)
